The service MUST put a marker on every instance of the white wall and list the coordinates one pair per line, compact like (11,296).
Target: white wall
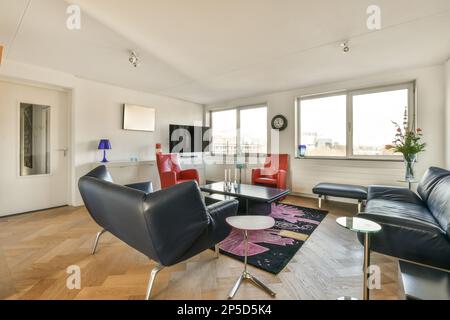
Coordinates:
(306,173)
(447,118)
(96,113)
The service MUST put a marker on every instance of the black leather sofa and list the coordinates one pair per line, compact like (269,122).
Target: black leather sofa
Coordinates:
(415,227)
(168,226)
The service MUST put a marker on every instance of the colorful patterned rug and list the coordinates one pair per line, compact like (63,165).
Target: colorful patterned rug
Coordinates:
(272,249)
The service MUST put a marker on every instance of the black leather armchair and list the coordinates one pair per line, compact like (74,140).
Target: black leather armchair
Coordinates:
(168,226)
(416,228)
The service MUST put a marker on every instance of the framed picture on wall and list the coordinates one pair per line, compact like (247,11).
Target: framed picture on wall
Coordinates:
(138,118)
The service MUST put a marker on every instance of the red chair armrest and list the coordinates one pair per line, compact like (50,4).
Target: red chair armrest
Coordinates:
(281,179)
(256,173)
(190,174)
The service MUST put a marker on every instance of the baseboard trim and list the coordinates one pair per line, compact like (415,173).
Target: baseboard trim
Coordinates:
(30,212)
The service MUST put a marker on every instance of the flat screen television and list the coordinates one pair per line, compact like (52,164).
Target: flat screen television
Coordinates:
(189,139)
(138,118)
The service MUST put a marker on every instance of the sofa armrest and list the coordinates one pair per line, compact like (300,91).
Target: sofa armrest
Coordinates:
(218,229)
(393,194)
(219,212)
(400,222)
(409,239)
(224,209)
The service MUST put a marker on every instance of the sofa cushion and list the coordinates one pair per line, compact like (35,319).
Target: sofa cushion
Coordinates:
(393,194)
(439,203)
(431,177)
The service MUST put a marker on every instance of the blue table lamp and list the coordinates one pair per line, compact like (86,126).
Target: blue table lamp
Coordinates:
(104,145)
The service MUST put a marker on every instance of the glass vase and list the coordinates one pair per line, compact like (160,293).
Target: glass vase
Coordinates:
(410,161)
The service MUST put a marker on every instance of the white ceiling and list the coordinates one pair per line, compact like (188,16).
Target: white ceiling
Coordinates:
(208,51)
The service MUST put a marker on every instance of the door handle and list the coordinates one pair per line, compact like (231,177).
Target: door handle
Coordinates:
(64,151)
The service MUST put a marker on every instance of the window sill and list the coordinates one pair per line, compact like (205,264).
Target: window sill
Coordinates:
(349,159)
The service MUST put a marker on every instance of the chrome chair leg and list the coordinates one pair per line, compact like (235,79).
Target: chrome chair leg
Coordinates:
(151,282)
(320,201)
(96,240)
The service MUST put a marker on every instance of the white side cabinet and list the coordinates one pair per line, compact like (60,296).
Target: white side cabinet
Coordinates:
(126,172)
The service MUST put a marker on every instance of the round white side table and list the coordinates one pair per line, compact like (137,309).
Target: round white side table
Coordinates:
(246,224)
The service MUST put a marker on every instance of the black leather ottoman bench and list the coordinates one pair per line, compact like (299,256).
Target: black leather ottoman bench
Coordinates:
(341,191)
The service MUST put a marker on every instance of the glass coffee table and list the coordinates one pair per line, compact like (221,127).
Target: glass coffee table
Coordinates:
(252,199)
(247,224)
(367,228)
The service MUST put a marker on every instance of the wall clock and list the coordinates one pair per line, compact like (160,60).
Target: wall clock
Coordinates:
(279,122)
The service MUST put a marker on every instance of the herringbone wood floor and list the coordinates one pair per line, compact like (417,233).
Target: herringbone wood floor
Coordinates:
(36,249)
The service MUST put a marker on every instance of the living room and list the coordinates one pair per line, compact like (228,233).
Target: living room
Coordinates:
(214,150)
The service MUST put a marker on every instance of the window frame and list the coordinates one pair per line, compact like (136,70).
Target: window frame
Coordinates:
(238,126)
(412,116)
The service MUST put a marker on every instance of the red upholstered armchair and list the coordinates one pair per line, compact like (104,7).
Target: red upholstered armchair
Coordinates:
(274,173)
(170,172)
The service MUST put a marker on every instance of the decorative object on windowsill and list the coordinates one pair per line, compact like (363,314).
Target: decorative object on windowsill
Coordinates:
(302,150)
(279,122)
(240,167)
(407,142)
(158,148)
(104,145)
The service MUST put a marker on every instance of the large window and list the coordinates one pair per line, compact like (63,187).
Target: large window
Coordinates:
(224,131)
(353,124)
(243,129)
(322,124)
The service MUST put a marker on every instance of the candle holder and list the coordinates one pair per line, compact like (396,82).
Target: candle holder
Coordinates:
(227,183)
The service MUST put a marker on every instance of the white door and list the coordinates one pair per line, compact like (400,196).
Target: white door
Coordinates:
(34,148)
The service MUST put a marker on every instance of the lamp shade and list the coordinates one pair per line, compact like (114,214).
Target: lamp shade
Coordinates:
(104,145)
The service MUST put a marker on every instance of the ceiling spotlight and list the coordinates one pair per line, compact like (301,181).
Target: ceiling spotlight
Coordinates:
(345,47)
(134,59)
